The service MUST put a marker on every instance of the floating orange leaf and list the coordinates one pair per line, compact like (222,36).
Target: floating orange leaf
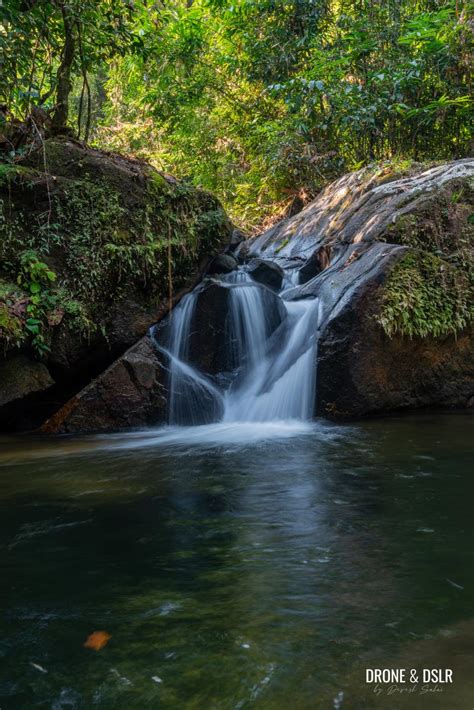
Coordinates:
(97,640)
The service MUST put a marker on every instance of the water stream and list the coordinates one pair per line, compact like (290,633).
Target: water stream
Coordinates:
(273,372)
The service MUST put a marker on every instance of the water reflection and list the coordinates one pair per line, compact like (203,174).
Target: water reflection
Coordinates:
(265,572)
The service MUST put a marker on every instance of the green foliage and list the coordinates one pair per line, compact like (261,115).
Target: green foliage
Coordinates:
(259,101)
(424,296)
(7,171)
(77,315)
(11,324)
(256,100)
(110,229)
(430,292)
(37,279)
(35,36)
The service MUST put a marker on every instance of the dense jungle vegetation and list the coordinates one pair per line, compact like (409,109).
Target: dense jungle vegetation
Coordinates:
(260,101)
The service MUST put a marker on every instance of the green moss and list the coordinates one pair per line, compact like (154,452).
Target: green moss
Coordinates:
(107,227)
(157,184)
(284,243)
(6,170)
(10,171)
(429,293)
(76,315)
(424,296)
(11,327)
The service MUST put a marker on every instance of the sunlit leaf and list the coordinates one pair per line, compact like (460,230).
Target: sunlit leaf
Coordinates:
(97,640)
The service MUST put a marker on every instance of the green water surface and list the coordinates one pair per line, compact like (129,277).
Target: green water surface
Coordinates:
(235,570)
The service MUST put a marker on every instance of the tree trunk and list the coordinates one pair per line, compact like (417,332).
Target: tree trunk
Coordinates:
(63,76)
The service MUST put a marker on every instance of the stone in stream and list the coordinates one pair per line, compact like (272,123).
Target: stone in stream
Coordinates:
(130,393)
(134,390)
(222,264)
(267,273)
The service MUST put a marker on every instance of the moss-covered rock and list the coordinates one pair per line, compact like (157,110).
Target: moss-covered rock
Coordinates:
(424,296)
(93,248)
(430,292)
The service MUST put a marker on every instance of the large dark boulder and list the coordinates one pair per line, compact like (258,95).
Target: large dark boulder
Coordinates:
(130,393)
(364,205)
(135,389)
(267,273)
(361,370)
(388,258)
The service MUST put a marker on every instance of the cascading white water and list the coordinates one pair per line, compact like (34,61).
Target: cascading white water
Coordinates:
(274,372)
(249,326)
(281,384)
(188,388)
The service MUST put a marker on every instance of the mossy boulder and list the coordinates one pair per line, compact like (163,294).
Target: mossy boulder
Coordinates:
(407,339)
(93,249)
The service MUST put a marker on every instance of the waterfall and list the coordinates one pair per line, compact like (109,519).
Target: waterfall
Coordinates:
(248,324)
(273,368)
(281,384)
(190,392)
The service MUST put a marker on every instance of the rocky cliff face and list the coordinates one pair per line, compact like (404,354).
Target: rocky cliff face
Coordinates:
(93,247)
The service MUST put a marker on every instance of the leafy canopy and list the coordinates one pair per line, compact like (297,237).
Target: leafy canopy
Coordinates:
(261,101)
